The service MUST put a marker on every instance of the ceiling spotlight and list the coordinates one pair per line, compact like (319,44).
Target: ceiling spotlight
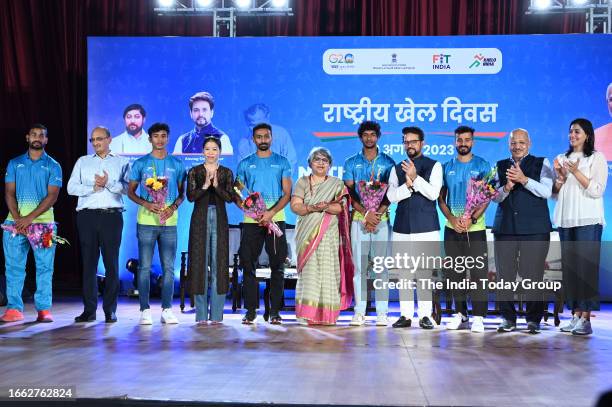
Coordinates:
(166,3)
(280,3)
(243,3)
(204,3)
(542,4)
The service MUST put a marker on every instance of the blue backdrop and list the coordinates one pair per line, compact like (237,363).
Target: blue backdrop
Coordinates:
(316,90)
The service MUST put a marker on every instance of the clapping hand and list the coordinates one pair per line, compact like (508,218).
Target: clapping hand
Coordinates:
(410,170)
(571,167)
(215,179)
(100,181)
(560,170)
(516,175)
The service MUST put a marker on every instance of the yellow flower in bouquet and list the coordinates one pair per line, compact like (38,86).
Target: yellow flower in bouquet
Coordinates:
(157,185)
(149,181)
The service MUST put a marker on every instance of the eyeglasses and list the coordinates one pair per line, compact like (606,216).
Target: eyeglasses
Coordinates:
(411,142)
(321,160)
(96,139)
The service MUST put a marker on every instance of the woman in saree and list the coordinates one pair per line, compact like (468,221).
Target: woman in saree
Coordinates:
(210,187)
(325,266)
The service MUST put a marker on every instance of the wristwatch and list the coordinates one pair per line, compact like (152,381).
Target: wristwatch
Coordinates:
(474,220)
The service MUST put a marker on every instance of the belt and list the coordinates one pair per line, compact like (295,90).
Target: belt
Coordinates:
(107,210)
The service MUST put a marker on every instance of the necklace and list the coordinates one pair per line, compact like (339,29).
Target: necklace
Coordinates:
(311,184)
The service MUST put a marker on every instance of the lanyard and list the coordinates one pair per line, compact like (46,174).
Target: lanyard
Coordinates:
(154,167)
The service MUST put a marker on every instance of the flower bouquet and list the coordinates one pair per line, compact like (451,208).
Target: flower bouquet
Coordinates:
(40,235)
(372,193)
(254,207)
(157,187)
(479,192)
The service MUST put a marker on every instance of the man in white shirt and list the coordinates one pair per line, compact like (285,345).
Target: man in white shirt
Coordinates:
(134,140)
(100,180)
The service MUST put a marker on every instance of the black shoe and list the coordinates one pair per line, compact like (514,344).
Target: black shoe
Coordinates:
(402,322)
(110,317)
(533,328)
(249,318)
(276,320)
(426,323)
(85,317)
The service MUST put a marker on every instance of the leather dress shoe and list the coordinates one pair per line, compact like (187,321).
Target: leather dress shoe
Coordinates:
(402,322)
(110,318)
(426,323)
(85,317)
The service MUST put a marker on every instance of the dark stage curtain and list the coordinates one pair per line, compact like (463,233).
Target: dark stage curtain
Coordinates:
(43,74)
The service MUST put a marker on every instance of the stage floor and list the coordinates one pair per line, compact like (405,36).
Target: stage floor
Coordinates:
(308,365)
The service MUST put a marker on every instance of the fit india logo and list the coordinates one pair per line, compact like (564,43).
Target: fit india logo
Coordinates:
(481,60)
(441,61)
(394,58)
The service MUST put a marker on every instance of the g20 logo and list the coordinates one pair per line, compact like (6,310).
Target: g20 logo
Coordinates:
(341,59)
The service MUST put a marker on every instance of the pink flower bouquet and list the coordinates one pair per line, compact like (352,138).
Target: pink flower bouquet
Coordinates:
(40,235)
(254,207)
(479,192)
(372,194)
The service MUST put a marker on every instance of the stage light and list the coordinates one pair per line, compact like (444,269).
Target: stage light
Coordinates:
(542,4)
(204,3)
(243,3)
(166,3)
(580,2)
(280,3)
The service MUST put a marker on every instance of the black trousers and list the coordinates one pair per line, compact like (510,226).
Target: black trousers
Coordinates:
(100,231)
(524,255)
(456,245)
(253,239)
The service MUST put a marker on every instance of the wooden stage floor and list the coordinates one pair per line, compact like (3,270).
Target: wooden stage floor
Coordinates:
(295,364)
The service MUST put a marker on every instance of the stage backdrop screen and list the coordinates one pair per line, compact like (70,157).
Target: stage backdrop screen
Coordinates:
(316,91)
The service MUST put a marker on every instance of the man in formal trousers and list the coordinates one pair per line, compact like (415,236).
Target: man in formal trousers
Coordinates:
(99,181)
(522,228)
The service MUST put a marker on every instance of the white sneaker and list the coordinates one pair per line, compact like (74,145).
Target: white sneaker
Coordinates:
(358,320)
(145,317)
(478,325)
(302,321)
(569,326)
(382,320)
(458,322)
(167,317)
